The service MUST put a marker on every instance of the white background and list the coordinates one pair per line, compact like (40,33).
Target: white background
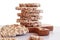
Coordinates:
(51,11)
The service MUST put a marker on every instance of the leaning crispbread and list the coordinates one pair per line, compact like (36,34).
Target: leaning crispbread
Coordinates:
(13,30)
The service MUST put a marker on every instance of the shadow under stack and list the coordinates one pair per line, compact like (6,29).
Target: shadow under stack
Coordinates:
(29,15)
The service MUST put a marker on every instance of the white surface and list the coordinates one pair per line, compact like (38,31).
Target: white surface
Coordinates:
(55,35)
